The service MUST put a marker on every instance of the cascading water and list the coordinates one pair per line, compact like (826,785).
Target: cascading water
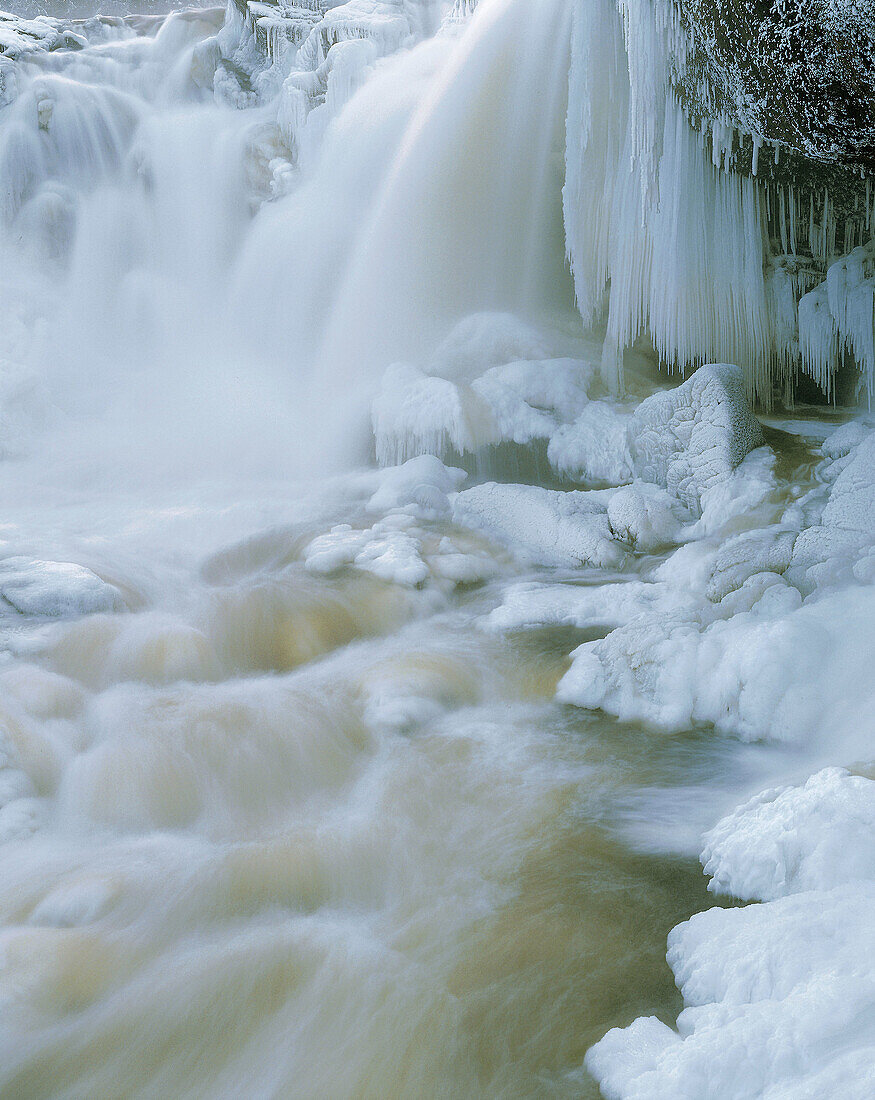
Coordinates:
(319,779)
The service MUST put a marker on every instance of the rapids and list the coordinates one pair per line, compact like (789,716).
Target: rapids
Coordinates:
(271,829)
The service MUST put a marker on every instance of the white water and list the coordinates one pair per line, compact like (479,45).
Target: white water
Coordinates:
(271,831)
(229,870)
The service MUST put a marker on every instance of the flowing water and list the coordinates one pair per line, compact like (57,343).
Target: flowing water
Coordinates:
(265,832)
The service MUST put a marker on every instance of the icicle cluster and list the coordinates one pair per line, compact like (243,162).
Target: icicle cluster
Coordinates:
(708,261)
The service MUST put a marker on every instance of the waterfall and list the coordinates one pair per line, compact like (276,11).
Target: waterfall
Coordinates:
(411,561)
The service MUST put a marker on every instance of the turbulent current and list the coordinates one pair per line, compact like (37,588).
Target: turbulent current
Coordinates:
(380,644)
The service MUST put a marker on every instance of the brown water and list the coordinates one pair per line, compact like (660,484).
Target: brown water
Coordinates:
(288,846)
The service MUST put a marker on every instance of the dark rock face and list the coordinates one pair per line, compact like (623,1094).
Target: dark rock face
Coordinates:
(799,72)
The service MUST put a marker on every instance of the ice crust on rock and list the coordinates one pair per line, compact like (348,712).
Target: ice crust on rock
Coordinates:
(421,487)
(691,438)
(493,379)
(547,527)
(594,448)
(787,982)
(792,839)
(55,588)
(839,519)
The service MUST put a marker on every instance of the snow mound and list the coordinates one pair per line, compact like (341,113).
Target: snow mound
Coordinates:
(547,527)
(55,589)
(693,437)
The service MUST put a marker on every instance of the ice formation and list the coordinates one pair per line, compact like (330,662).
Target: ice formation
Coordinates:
(692,438)
(229,238)
(783,981)
(655,212)
(55,588)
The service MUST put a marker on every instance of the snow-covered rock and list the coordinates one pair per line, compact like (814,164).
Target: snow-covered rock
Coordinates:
(420,487)
(780,999)
(55,588)
(547,527)
(691,438)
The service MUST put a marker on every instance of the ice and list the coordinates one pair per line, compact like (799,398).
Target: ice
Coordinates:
(691,438)
(547,527)
(792,839)
(763,550)
(55,588)
(644,517)
(770,670)
(416,414)
(388,552)
(840,524)
(594,450)
(484,340)
(533,604)
(420,487)
(492,379)
(785,982)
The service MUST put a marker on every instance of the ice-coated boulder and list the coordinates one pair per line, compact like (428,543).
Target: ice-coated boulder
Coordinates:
(790,839)
(691,438)
(419,487)
(779,1001)
(765,550)
(837,545)
(547,527)
(55,589)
